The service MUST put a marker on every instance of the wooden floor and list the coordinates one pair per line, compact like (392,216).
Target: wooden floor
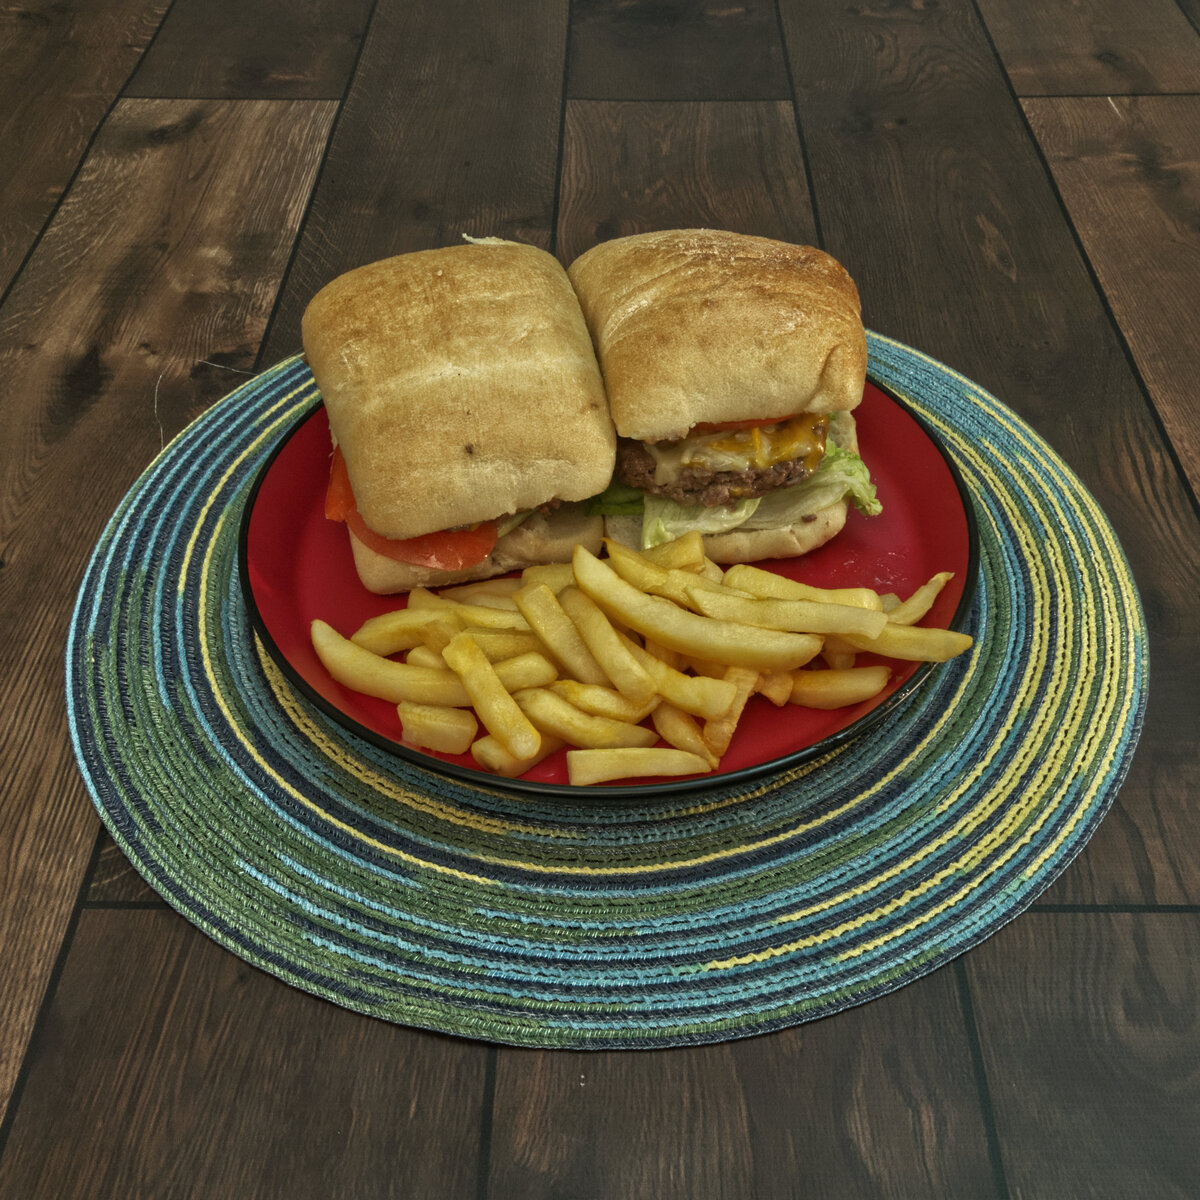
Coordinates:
(1014,185)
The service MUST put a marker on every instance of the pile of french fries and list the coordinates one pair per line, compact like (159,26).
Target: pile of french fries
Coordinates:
(640,662)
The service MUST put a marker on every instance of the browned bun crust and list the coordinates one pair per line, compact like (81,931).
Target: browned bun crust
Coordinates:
(461,385)
(703,325)
(538,539)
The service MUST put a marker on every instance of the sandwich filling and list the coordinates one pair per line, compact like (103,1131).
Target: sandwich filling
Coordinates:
(750,475)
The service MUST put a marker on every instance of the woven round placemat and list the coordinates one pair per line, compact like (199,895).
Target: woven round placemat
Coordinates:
(535,921)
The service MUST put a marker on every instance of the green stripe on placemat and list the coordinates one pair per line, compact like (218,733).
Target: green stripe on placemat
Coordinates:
(537,921)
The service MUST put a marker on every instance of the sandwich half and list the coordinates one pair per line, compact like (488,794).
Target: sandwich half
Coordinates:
(467,412)
(732,365)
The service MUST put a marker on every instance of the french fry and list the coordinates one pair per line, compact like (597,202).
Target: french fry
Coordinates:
(402,629)
(507,643)
(603,701)
(685,552)
(688,632)
(555,576)
(920,602)
(426,656)
(699,695)
(628,676)
(468,614)
(838,653)
(482,590)
(492,756)
(776,686)
(493,703)
(768,585)
(586,766)
(553,715)
(799,616)
(532,669)
(369,673)
(718,732)
(684,732)
(437,634)
(545,615)
(838,689)
(914,643)
(435,727)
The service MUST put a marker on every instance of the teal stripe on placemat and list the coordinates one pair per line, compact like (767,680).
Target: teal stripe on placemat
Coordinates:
(535,921)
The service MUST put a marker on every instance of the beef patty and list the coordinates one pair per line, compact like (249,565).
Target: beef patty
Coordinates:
(702,485)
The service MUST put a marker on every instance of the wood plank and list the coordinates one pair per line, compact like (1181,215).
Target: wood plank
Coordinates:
(113,880)
(1128,170)
(707,51)
(451,126)
(630,167)
(1089,1031)
(166,253)
(65,62)
(166,1066)
(1102,48)
(929,187)
(268,50)
(879,1101)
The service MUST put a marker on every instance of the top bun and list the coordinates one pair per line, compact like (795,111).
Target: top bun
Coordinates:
(461,385)
(699,325)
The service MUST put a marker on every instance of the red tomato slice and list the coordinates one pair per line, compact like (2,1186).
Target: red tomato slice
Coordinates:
(339,498)
(729,426)
(448,550)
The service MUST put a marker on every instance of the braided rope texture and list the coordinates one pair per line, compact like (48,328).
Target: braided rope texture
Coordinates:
(533,921)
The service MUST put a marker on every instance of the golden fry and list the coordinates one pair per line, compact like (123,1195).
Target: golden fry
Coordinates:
(402,629)
(628,676)
(493,703)
(603,701)
(683,731)
(838,689)
(776,686)
(768,585)
(601,766)
(362,671)
(435,727)
(544,612)
(699,695)
(718,732)
(553,715)
(921,601)
(914,643)
(800,616)
(492,756)
(688,632)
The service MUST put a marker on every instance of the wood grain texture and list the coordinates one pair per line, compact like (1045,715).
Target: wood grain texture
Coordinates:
(162,261)
(960,248)
(1089,1032)
(1128,170)
(671,50)
(64,63)
(878,1102)
(168,1067)
(263,50)
(451,126)
(112,879)
(1101,47)
(629,168)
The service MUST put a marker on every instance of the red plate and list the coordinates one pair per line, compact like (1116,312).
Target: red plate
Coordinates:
(297,566)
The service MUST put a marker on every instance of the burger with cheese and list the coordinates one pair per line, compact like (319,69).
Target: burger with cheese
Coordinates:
(732,366)
(467,413)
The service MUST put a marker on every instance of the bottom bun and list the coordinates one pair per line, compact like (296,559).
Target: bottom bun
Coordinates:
(541,538)
(749,545)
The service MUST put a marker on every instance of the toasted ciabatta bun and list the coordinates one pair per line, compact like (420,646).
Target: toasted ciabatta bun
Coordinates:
(703,325)
(541,538)
(461,386)
(696,326)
